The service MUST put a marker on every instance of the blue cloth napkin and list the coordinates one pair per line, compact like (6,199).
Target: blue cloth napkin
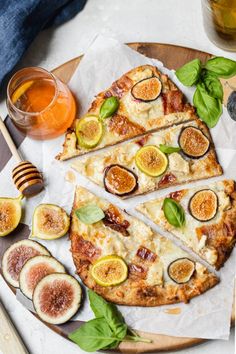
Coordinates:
(22,20)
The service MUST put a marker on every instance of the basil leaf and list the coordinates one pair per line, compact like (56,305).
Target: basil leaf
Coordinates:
(110,312)
(168,149)
(94,335)
(189,73)
(222,67)
(208,108)
(89,214)
(213,85)
(174,212)
(109,107)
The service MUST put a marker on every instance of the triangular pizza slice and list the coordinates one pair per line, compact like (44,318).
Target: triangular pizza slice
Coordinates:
(179,154)
(122,259)
(141,100)
(208,226)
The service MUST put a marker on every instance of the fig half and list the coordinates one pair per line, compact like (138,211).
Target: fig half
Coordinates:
(147,90)
(57,298)
(193,142)
(89,131)
(151,160)
(10,214)
(203,205)
(16,256)
(50,222)
(119,180)
(181,270)
(34,270)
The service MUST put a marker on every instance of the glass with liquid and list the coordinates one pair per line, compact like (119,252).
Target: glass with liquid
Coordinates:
(40,104)
(219,18)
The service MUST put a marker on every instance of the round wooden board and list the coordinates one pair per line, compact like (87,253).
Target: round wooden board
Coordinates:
(172,57)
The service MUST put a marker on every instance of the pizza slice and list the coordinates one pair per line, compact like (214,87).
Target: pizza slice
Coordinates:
(141,100)
(210,218)
(172,156)
(122,259)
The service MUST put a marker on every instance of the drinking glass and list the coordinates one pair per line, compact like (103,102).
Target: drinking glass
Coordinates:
(219,19)
(39,104)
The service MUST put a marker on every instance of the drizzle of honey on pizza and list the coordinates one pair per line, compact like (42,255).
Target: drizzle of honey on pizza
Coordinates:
(173,311)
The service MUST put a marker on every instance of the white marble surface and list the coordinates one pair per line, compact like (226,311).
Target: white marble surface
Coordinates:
(166,21)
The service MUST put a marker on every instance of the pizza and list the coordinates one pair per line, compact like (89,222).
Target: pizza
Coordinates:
(210,219)
(176,155)
(123,260)
(142,100)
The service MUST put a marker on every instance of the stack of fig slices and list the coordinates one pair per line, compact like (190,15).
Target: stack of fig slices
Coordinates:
(29,266)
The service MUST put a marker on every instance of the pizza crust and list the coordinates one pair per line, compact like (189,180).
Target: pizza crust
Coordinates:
(181,169)
(212,240)
(135,291)
(133,118)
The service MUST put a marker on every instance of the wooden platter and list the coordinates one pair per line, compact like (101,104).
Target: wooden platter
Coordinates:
(173,57)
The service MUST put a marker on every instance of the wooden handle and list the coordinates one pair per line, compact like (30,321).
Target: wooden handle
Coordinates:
(10,341)
(9,141)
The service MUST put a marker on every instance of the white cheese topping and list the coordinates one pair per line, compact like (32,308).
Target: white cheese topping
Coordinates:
(178,164)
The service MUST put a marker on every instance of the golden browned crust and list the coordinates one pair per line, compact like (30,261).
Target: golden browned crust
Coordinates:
(222,235)
(124,155)
(173,101)
(134,291)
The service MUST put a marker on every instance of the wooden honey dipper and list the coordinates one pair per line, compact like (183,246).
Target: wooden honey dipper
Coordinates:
(28,180)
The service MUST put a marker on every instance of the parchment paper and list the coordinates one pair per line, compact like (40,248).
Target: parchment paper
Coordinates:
(206,316)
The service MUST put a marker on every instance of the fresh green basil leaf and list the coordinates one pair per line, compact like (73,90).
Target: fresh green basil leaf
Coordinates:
(189,73)
(89,214)
(94,335)
(208,108)
(213,85)
(168,149)
(109,107)
(173,212)
(222,67)
(110,312)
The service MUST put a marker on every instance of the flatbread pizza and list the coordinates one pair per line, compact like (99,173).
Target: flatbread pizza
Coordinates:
(172,156)
(210,219)
(141,100)
(122,259)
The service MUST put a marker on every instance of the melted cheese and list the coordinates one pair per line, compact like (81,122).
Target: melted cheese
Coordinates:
(178,164)
(140,111)
(188,234)
(112,242)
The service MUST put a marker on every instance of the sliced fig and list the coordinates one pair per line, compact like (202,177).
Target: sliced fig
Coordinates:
(50,222)
(181,270)
(10,214)
(89,130)
(119,180)
(193,142)
(147,90)
(34,270)
(151,160)
(203,205)
(16,256)
(57,298)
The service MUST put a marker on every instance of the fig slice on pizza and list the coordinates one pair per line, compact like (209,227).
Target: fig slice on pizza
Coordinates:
(171,156)
(208,215)
(141,100)
(123,260)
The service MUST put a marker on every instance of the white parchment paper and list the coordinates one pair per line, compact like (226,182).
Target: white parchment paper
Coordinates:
(206,316)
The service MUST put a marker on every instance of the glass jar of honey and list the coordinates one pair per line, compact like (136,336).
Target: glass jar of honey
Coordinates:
(219,18)
(40,104)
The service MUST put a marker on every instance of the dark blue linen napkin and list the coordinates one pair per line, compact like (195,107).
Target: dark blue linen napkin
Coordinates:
(22,20)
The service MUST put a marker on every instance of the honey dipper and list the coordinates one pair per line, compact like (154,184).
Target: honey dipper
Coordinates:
(28,180)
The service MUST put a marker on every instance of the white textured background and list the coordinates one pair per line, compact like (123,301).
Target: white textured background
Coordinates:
(164,21)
